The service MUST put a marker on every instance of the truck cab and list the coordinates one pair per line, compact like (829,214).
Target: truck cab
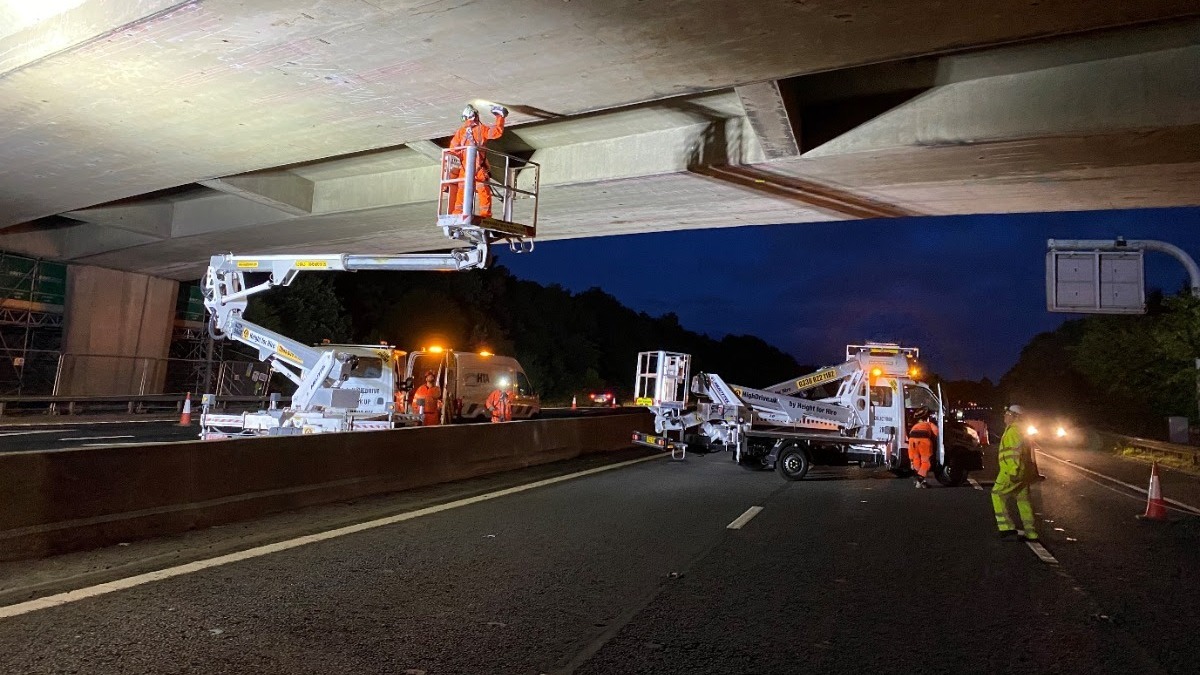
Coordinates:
(466,379)
(371,371)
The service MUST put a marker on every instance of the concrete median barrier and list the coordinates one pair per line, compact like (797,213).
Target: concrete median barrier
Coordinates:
(58,501)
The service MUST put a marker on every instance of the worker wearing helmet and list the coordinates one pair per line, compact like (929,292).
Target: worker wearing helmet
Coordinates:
(920,446)
(427,400)
(499,403)
(473,132)
(1016,473)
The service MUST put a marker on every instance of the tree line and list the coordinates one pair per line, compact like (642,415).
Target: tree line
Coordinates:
(1124,373)
(1121,373)
(567,342)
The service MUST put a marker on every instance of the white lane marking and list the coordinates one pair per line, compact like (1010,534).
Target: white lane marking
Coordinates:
(26,433)
(180,570)
(1181,505)
(744,518)
(94,438)
(1042,553)
(975,484)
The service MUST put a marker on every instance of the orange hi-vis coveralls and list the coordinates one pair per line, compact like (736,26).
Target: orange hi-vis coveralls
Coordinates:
(499,405)
(474,132)
(427,402)
(920,446)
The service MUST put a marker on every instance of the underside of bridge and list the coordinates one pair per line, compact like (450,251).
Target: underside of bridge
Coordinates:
(147,135)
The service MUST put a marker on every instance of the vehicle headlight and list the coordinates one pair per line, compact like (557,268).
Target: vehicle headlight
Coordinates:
(1061,432)
(1031,430)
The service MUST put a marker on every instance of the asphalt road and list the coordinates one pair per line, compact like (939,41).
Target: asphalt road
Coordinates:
(27,437)
(637,570)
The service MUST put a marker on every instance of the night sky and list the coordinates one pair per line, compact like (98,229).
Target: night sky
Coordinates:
(968,290)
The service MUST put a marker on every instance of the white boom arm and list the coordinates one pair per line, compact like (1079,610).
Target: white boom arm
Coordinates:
(226,292)
(816,379)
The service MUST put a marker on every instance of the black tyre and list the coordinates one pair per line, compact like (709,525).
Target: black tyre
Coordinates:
(950,476)
(793,463)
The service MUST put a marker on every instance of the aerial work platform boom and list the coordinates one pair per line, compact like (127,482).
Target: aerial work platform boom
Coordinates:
(322,401)
(865,422)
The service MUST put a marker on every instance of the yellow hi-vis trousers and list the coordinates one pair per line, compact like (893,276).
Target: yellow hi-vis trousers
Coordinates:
(1002,492)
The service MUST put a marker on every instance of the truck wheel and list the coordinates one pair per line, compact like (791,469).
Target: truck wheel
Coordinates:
(950,476)
(793,463)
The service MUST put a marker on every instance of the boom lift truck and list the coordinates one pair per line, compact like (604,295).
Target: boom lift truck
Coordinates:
(351,387)
(866,422)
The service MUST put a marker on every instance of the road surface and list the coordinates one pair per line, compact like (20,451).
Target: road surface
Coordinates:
(654,567)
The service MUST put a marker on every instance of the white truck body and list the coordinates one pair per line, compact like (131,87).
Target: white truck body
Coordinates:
(351,387)
(467,378)
(866,421)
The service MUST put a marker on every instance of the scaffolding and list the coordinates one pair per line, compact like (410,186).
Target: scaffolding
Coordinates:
(32,294)
(199,364)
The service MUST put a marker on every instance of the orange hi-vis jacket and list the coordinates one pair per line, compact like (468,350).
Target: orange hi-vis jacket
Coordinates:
(920,446)
(498,403)
(474,134)
(427,401)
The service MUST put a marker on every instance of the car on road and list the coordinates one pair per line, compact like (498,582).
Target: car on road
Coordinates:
(1049,429)
(600,397)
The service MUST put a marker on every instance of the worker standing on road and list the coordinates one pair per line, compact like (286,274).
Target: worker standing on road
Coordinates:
(920,446)
(473,132)
(1016,473)
(427,401)
(499,404)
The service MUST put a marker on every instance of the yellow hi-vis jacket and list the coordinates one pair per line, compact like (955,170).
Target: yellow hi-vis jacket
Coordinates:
(1014,458)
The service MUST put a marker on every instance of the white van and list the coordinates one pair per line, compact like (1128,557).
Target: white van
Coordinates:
(466,379)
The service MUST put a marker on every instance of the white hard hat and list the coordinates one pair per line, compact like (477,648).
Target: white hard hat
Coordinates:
(1015,409)
(469,112)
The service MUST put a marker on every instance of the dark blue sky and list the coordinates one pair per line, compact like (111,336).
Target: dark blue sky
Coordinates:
(968,290)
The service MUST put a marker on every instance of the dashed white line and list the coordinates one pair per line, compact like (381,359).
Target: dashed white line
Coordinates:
(975,484)
(744,518)
(180,570)
(1181,505)
(1046,557)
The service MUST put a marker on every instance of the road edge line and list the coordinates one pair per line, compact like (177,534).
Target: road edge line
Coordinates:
(1179,504)
(76,595)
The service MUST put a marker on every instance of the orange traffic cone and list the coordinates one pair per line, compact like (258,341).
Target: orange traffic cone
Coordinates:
(185,418)
(1156,508)
(573,405)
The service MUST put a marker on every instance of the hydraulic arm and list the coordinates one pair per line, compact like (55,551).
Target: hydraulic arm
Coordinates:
(318,373)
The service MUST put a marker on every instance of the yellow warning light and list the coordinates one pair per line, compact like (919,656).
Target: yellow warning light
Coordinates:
(436,349)
(876,372)
(485,353)
(914,372)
